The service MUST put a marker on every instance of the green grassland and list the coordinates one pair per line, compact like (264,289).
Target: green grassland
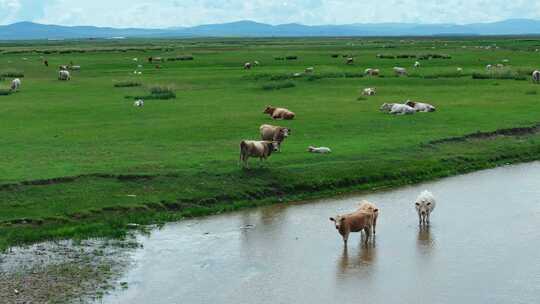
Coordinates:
(78,159)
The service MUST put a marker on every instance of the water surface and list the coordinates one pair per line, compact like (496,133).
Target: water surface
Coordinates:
(483,246)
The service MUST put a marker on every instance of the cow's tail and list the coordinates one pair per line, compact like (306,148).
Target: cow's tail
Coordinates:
(243,149)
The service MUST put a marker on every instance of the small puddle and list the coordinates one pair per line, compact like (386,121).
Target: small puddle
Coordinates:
(482,247)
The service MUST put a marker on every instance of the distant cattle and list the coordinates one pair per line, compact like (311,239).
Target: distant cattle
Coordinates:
(417,64)
(279,113)
(64,75)
(274,133)
(320,150)
(138,103)
(397,109)
(372,72)
(399,71)
(309,70)
(247,66)
(46,63)
(350,60)
(536,76)
(420,106)
(259,149)
(15,84)
(369,91)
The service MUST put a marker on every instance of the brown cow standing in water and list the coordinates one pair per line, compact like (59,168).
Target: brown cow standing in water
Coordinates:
(357,221)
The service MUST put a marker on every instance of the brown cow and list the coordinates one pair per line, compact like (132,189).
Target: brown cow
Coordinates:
(279,113)
(353,222)
(274,133)
(253,148)
(369,207)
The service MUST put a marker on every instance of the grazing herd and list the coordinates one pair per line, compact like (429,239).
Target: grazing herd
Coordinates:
(364,218)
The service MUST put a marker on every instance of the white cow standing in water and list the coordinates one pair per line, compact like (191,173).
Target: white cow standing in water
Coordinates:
(425,203)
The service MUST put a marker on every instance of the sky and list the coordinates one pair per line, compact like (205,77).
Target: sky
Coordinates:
(173,13)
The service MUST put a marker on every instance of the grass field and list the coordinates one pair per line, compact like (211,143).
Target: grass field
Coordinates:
(78,159)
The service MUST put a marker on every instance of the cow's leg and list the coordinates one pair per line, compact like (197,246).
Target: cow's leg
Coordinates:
(345,238)
(375,226)
(368,234)
(427,218)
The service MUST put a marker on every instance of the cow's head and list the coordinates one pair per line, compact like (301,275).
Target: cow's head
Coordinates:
(423,207)
(338,221)
(269,110)
(285,132)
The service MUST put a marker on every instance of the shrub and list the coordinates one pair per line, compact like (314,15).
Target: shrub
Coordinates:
(335,55)
(11,74)
(278,85)
(279,58)
(499,74)
(291,57)
(127,84)
(531,92)
(157,92)
(181,58)
(5,92)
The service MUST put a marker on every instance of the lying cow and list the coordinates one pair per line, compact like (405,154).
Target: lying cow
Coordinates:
(357,221)
(320,150)
(536,76)
(279,113)
(369,92)
(274,133)
(369,207)
(15,84)
(425,203)
(64,75)
(397,108)
(253,148)
(420,106)
(400,71)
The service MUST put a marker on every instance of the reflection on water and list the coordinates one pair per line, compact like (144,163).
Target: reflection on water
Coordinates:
(292,254)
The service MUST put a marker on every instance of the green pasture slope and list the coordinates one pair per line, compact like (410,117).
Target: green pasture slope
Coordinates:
(79,160)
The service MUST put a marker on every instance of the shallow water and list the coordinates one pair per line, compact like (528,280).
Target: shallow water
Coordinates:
(482,247)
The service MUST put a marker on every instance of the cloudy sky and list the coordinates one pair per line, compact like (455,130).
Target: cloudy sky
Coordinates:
(169,13)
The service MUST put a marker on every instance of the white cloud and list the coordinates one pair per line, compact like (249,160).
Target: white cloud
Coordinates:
(165,13)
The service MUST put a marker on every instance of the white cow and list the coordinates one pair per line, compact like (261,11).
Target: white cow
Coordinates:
(64,75)
(536,76)
(417,64)
(420,106)
(397,108)
(321,150)
(15,84)
(138,103)
(369,91)
(399,71)
(425,203)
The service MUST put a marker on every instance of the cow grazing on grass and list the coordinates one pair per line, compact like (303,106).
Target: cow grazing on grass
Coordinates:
(420,106)
(417,64)
(372,72)
(274,133)
(350,60)
(424,205)
(253,148)
(247,66)
(369,207)
(138,103)
(369,92)
(357,221)
(64,75)
(15,84)
(400,71)
(536,76)
(279,113)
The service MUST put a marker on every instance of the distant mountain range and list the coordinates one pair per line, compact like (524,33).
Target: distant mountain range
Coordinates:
(32,31)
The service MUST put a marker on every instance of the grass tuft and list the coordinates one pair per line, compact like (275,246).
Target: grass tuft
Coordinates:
(127,84)
(278,85)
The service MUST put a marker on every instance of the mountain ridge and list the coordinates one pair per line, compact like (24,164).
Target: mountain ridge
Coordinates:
(245,28)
